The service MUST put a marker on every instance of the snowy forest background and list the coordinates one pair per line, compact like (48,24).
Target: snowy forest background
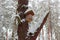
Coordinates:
(51,29)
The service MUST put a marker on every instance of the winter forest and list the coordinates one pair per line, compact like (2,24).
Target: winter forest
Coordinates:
(29,19)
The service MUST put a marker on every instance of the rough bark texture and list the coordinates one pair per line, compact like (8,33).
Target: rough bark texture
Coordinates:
(22,28)
(22,31)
